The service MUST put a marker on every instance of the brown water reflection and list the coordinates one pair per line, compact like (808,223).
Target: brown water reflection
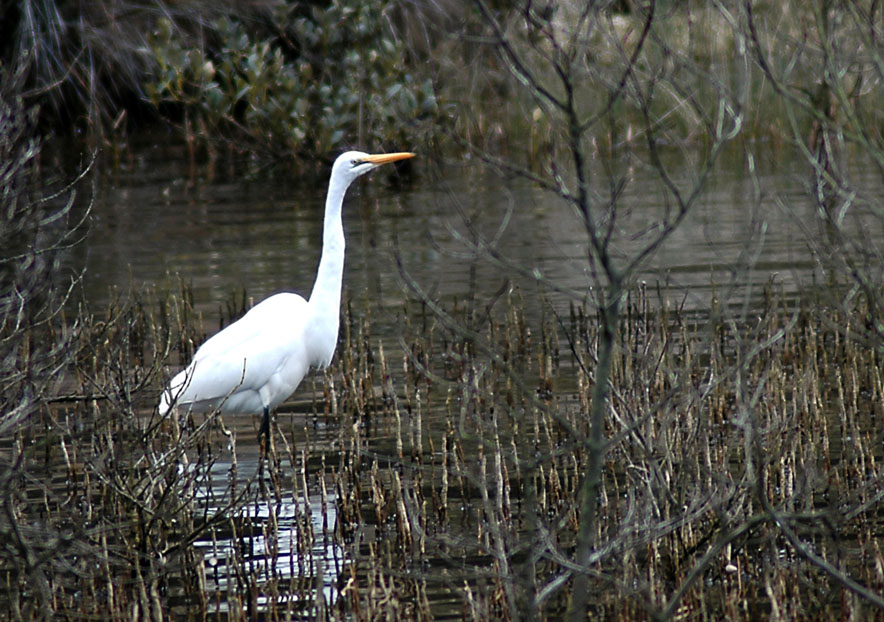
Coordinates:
(261,236)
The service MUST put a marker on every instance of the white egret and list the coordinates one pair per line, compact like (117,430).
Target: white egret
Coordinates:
(257,362)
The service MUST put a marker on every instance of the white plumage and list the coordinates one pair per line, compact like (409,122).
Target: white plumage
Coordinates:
(257,362)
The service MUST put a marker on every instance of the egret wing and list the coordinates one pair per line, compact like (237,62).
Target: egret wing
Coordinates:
(241,365)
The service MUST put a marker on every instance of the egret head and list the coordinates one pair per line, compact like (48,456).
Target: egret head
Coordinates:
(352,164)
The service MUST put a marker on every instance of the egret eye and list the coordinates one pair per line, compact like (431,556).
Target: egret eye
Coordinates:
(275,368)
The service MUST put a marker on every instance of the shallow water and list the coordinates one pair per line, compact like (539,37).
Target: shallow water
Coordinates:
(154,223)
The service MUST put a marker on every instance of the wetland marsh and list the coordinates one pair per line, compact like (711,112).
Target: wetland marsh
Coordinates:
(610,347)
(432,471)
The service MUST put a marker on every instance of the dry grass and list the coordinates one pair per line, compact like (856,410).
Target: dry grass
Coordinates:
(440,479)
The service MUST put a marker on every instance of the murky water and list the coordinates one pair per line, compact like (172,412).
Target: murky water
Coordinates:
(154,224)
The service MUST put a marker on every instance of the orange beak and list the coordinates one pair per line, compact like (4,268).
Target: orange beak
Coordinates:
(385,158)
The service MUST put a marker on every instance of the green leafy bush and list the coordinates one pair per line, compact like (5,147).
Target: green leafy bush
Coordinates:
(330,77)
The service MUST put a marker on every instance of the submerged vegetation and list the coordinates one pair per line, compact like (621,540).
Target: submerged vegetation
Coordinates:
(617,457)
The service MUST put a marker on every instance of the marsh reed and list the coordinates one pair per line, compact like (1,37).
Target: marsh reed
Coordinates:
(433,473)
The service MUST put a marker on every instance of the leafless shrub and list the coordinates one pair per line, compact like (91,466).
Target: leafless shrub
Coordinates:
(829,92)
(97,497)
(686,444)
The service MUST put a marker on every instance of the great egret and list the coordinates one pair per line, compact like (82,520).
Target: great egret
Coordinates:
(257,362)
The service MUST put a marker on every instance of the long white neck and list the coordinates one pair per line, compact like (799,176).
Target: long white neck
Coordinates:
(325,299)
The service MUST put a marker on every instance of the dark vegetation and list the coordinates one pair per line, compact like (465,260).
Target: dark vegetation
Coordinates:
(619,458)
(297,79)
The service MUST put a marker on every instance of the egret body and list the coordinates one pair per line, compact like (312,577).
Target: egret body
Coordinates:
(257,362)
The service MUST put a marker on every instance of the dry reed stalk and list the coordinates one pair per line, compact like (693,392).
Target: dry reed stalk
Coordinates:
(496,503)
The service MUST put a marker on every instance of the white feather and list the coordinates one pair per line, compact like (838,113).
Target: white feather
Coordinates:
(257,362)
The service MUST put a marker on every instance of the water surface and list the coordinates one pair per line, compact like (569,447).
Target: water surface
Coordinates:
(234,233)
(156,223)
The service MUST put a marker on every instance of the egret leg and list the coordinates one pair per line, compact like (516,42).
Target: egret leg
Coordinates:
(264,433)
